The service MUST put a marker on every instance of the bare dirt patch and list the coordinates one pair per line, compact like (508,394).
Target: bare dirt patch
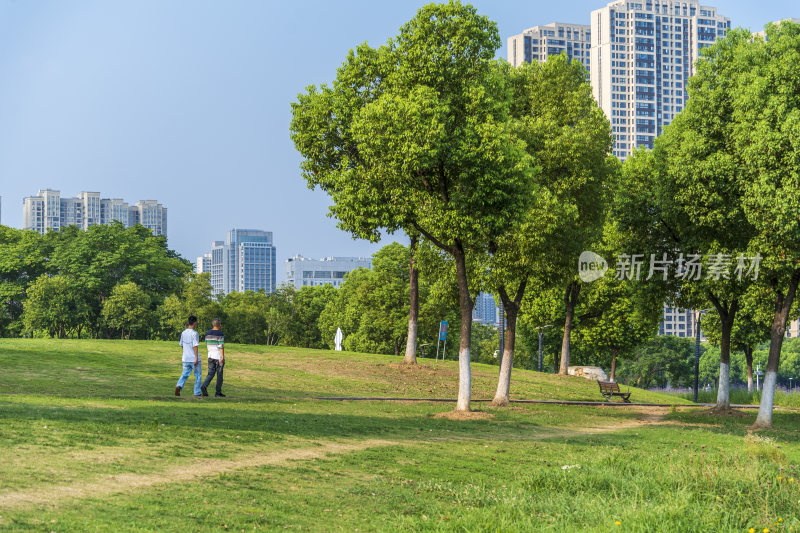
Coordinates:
(465,415)
(733,413)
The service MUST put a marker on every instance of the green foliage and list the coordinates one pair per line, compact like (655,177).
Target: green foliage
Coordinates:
(664,360)
(306,304)
(371,306)
(56,305)
(195,298)
(96,261)
(127,309)
(245,316)
(23,259)
(615,318)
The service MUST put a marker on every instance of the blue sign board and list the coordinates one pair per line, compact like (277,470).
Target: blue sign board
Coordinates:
(443,330)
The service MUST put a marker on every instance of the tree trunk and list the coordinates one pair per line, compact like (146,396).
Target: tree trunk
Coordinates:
(413,305)
(465,304)
(727,316)
(613,376)
(748,357)
(511,308)
(570,300)
(782,307)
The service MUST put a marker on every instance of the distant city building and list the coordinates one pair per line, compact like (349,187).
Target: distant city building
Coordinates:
(642,54)
(682,322)
(203,264)
(540,42)
(485,309)
(48,210)
(679,323)
(304,272)
(778,22)
(244,262)
(151,215)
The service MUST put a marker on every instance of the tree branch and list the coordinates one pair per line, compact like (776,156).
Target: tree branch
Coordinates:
(430,237)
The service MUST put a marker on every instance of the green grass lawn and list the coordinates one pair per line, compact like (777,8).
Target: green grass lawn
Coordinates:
(95,441)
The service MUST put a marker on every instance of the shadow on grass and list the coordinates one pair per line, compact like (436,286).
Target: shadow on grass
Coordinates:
(282,419)
(785,424)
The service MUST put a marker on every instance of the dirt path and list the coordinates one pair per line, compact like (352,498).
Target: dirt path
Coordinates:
(126,483)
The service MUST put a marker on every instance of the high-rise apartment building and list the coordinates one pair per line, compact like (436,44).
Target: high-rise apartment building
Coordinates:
(203,264)
(540,42)
(150,214)
(682,323)
(485,309)
(48,210)
(304,272)
(243,262)
(642,54)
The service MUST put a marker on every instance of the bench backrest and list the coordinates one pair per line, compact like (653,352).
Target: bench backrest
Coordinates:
(608,386)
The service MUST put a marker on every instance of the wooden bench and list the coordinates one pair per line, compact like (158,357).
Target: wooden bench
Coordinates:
(609,389)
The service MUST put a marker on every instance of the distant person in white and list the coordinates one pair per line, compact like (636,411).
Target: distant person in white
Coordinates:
(190,340)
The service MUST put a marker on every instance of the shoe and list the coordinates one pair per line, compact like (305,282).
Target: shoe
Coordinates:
(219,395)
(205,391)
(177,391)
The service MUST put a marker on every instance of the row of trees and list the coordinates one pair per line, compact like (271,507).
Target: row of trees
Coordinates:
(98,282)
(506,173)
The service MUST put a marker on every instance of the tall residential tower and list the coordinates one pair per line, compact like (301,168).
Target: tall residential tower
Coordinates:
(642,54)
(48,210)
(540,42)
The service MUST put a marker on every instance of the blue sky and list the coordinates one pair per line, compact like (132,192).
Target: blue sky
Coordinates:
(187,102)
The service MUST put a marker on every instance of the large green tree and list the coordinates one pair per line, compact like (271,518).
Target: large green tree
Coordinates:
(766,133)
(23,258)
(106,255)
(618,319)
(127,309)
(568,138)
(693,199)
(57,305)
(416,135)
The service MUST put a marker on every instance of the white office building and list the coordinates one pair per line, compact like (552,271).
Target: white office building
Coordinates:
(540,42)
(48,210)
(642,54)
(304,272)
(245,261)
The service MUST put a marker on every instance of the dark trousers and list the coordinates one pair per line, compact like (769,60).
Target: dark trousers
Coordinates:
(214,367)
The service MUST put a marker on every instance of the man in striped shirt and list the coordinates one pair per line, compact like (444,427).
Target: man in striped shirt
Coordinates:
(215,342)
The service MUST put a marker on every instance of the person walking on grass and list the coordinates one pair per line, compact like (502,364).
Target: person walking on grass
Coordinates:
(190,340)
(215,342)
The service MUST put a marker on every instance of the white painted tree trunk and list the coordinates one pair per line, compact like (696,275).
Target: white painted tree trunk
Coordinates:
(465,305)
(723,390)
(464,380)
(411,343)
(504,383)
(764,418)
(410,357)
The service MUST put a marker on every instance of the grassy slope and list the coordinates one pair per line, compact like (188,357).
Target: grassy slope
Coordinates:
(89,422)
(136,368)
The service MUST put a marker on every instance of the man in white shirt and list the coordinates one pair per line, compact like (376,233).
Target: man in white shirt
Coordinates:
(190,340)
